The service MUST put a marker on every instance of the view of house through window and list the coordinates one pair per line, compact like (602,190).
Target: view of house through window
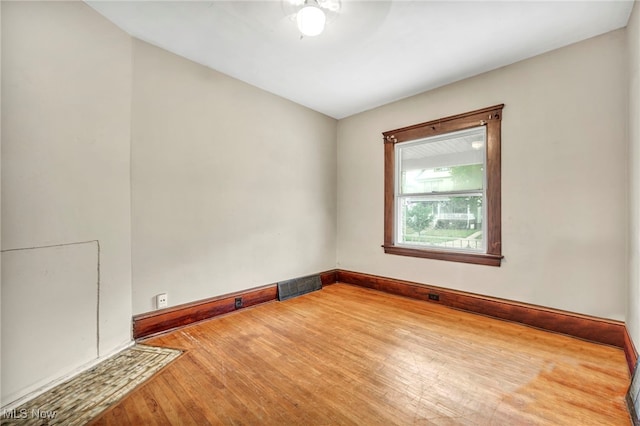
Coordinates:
(440,191)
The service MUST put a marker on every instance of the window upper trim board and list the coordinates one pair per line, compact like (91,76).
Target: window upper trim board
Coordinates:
(444,125)
(490,117)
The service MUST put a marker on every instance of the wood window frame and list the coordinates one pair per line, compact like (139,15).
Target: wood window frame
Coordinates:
(491,118)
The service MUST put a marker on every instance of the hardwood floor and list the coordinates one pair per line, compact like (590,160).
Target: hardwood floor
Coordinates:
(349,355)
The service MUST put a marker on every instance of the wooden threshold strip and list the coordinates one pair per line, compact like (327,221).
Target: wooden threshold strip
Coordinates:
(155,322)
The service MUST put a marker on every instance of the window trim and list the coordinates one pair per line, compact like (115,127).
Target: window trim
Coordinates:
(490,117)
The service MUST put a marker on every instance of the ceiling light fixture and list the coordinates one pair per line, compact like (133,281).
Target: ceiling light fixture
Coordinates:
(311,15)
(311,19)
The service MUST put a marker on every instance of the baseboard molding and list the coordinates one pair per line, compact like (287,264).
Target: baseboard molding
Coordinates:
(585,327)
(155,322)
(599,330)
(630,352)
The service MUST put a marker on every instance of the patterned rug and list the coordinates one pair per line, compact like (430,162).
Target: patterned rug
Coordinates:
(82,398)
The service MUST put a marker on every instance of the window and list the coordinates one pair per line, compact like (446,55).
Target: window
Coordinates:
(442,189)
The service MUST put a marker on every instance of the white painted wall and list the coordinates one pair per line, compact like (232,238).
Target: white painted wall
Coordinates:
(66,94)
(232,187)
(564,180)
(633,45)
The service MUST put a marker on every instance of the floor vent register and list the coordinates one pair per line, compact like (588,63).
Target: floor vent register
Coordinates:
(298,286)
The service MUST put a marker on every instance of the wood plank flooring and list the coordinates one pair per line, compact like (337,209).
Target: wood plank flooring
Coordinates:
(354,356)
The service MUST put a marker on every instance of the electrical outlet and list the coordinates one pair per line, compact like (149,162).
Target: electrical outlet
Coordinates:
(435,297)
(238,302)
(162,301)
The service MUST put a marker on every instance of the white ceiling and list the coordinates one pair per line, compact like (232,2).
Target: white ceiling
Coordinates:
(372,53)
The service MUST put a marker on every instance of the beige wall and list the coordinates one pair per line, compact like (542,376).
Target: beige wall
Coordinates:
(66,95)
(564,180)
(633,37)
(232,187)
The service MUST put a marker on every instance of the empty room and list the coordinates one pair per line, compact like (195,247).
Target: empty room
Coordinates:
(267,212)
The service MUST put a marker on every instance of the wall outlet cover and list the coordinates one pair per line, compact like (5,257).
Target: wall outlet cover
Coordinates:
(162,301)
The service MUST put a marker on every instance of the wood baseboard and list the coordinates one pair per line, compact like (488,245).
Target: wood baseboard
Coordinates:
(155,322)
(585,327)
(630,352)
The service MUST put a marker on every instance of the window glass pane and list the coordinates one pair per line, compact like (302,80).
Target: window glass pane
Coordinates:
(451,162)
(444,222)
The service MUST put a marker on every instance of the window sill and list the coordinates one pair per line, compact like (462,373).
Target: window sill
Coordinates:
(452,256)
